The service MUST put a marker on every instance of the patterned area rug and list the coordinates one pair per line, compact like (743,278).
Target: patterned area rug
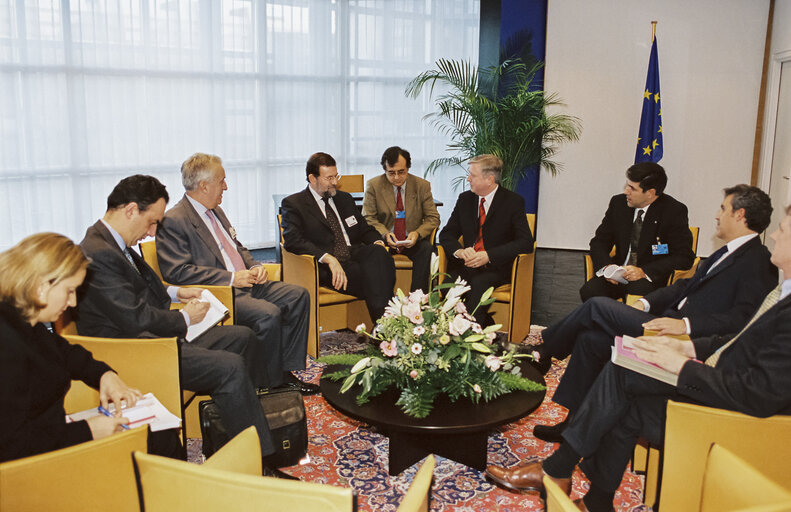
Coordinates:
(347,453)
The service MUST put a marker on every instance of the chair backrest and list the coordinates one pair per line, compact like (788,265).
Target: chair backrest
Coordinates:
(695,232)
(149,252)
(150,365)
(96,475)
(352,183)
(166,485)
(691,429)
(418,496)
(730,483)
(242,454)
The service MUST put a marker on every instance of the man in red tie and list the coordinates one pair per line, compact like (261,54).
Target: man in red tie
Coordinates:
(401,208)
(485,232)
(196,244)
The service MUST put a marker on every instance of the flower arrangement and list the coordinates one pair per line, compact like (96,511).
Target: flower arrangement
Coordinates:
(426,345)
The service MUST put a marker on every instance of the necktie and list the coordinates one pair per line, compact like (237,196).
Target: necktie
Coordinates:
(637,226)
(399,225)
(339,248)
(228,247)
(131,260)
(768,302)
(481,219)
(715,257)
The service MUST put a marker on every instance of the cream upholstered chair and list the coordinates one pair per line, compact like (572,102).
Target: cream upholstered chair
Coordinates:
(418,496)
(165,485)
(730,483)
(242,454)
(96,475)
(150,365)
(513,301)
(557,500)
(352,183)
(329,310)
(691,429)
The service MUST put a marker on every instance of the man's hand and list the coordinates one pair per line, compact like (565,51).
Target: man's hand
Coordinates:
(102,426)
(260,273)
(464,254)
(611,281)
(187,294)
(632,273)
(477,260)
(339,280)
(411,239)
(391,240)
(672,326)
(113,389)
(196,310)
(244,278)
(668,353)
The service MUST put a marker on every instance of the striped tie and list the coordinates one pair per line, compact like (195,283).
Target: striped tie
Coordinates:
(768,302)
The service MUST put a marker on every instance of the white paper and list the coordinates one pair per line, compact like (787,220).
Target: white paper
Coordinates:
(147,411)
(217,312)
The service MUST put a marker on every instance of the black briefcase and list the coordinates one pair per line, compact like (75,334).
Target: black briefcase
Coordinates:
(285,412)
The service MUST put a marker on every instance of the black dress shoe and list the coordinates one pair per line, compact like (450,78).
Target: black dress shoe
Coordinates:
(551,433)
(306,388)
(276,473)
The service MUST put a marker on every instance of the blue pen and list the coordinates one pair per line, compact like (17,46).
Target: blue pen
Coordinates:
(109,414)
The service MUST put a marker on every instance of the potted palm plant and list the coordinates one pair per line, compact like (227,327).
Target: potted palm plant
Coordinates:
(496,110)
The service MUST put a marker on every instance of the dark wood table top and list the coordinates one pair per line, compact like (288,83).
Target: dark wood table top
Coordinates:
(461,416)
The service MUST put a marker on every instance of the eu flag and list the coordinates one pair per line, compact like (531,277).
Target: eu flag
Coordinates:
(649,139)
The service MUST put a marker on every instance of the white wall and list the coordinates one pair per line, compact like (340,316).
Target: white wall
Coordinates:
(781,28)
(710,58)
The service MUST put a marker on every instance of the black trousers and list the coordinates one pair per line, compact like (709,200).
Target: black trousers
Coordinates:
(420,255)
(479,279)
(600,287)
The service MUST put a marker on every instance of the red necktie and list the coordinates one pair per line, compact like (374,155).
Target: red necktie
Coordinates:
(227,246)
(399,225)
(481,219)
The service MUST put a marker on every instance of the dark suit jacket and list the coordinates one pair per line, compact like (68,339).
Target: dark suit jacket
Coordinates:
(380,203)
(505,231)
(118,302)
(306,230)
(723,300)
(36,370)
(187,251)
(753,375)
(665,221)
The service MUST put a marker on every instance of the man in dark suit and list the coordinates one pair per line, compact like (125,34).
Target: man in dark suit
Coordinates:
(401,208)
(749,372)
(324,222)
(650,232)
(123,298)
(196,244)
(491,222)
(719,299)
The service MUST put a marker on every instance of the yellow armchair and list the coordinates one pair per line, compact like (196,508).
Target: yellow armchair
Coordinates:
(418,496)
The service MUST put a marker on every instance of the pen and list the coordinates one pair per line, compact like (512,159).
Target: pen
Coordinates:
(109,414)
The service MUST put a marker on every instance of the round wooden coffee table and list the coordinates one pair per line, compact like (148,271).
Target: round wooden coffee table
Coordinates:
(457,431)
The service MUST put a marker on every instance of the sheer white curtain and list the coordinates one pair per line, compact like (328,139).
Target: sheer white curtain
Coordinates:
(95,90)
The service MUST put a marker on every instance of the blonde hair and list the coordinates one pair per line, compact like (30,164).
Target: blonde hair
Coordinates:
(199,167)
(490,164)
(39,258)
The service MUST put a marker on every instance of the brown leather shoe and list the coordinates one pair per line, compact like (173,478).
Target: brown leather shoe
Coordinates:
(524,478)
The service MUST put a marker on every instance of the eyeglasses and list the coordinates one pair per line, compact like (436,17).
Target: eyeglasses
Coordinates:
(397,173)
(330,179)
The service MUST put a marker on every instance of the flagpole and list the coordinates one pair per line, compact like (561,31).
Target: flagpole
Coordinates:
(653,30)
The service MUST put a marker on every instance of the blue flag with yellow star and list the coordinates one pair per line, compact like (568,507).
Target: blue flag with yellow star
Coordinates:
(649,139)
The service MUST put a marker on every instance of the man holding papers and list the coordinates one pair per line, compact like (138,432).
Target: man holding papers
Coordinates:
(124,298)
(748,372)
(726,289)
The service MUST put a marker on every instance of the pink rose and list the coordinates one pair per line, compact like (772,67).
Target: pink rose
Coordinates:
(390,349)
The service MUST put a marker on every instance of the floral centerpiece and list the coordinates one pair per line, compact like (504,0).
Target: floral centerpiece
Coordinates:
(425,345)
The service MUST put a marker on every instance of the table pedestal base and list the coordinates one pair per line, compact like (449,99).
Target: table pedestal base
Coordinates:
(407,449)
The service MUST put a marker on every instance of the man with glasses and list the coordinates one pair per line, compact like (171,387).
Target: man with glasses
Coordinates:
(324,222)
(401,208)
(197,244)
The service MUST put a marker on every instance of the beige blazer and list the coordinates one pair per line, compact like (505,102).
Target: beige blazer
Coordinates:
(379,206)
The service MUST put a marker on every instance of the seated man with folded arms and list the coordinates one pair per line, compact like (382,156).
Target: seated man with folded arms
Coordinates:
(124,298)
(650,232)
(399,205)
(725,290)
(748,372)
(196,244)
(324,222)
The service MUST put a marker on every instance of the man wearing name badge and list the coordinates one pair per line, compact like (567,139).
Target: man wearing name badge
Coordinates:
(324,222)
(491,222)
(650,232)
(196,244)
(726,289)
(124,298)
(401,208)
(748,372)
